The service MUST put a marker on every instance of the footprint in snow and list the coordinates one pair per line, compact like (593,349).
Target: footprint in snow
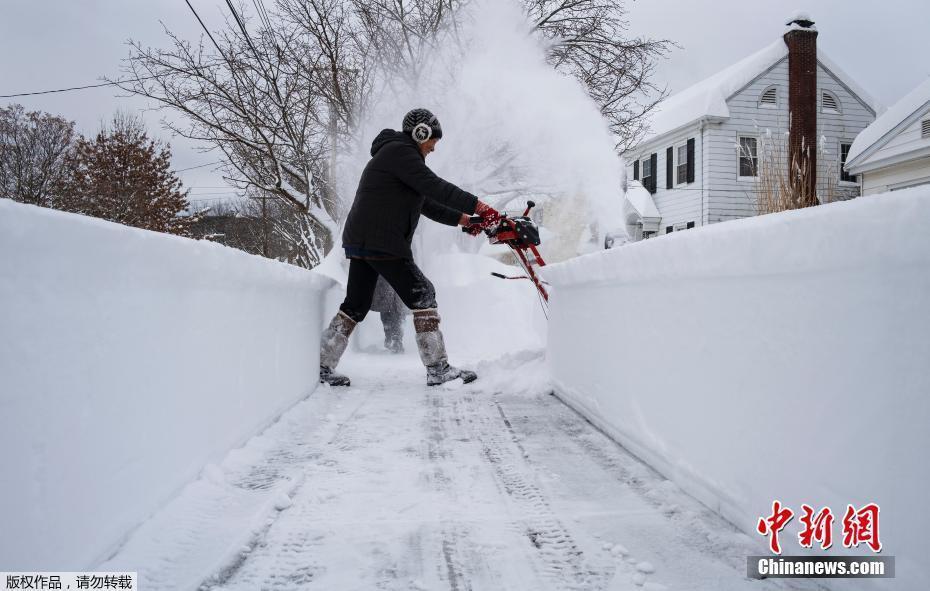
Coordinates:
(282,502)
(619,550)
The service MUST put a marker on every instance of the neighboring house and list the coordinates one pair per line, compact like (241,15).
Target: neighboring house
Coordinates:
(894,151)
(243,232)
(700,163)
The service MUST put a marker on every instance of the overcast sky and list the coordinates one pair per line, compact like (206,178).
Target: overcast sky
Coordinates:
(48,44)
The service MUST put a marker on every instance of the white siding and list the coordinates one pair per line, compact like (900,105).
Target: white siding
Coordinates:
(718,194)
(907,140)
(906,174)
(837,128)
(682,203)
(730,197)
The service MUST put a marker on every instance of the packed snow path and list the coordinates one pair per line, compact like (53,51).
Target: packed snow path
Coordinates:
(393,485)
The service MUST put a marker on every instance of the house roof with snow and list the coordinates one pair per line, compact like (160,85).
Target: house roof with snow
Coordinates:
(874,137)
(641,206)
(708,99)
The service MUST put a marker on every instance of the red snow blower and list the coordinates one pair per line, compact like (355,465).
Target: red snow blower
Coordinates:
(521,234)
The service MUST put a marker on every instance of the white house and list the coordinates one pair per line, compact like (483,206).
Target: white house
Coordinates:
(701,160)
(894,151)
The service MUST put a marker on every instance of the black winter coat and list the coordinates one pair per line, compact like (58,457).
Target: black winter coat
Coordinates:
(395,188)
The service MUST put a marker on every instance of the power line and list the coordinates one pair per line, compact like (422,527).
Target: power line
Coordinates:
(215,194)
(241,24)
(262,17)
(85,87)
(58,90)
(206,30)
(262,13)
(199,166)
(213,199)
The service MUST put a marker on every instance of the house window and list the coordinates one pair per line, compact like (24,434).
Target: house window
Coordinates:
(845,176)
(829,103)
(648,174)
(769,98)
(925,128)
(681,170)
(669,229)
(690,225)
(748,156)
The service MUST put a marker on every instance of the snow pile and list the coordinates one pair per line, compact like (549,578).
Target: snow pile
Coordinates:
(778,357)
(513,128)
(129,360)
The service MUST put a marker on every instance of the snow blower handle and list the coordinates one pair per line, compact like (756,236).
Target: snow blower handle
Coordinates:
(484,218)
(521,234)
(474,226)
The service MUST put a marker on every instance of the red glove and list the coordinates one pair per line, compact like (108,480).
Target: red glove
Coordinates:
(488,214)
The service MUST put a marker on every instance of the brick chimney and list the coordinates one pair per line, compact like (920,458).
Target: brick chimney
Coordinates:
(801,39)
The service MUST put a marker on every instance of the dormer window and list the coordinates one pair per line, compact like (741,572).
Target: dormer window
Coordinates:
(829,103)
(769,98)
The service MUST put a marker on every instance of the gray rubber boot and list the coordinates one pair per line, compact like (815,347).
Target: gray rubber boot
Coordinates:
(333,343)
(432,349)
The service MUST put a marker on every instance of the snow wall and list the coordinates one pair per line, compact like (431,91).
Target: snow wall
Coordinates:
(779,357)
(128,361)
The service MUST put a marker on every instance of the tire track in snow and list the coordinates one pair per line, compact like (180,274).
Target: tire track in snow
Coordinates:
(296,554)
(695,525)
(445,422)
(416,488)
(558,556)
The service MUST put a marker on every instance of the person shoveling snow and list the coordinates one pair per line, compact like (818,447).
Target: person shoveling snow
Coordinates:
(396,187)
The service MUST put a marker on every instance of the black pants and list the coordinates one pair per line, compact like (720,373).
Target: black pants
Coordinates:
(414,289)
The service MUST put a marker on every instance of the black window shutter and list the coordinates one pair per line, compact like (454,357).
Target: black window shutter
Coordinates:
(691,160)
(668,169)
(636,170)
(653,164)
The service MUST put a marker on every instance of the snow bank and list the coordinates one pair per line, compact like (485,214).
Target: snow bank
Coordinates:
(129,360)
(779,357)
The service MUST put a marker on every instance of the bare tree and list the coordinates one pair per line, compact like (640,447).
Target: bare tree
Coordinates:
(265,226)
(589,39)
(281,98)
(281,94)
(33,146)
(256,99)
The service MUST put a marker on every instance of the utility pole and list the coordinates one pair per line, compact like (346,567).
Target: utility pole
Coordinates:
(264,224)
